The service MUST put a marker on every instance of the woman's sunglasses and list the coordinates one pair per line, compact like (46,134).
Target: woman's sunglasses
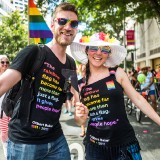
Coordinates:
(4,62)
(103,49)
(64,21)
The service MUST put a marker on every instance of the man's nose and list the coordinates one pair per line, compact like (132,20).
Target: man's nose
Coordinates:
(68,26)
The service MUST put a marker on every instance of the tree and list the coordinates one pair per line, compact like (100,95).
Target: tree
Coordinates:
(88,10)
(13,35)
(109,15)
(47,6)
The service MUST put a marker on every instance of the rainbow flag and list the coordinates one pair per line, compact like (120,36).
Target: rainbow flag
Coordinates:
(110,85)
(38,28)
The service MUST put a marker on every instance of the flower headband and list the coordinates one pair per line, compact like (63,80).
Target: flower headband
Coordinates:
(98,36)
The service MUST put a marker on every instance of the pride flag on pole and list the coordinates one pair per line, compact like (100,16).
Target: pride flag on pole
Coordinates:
(38,28)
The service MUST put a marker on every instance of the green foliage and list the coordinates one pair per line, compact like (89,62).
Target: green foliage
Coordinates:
(109,15)
(13,35)
(47,6)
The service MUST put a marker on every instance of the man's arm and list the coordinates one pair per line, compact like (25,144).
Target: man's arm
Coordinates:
(8,79)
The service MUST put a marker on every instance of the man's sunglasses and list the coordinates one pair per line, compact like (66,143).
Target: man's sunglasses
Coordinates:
(3,62)
(64,21)
(103,49)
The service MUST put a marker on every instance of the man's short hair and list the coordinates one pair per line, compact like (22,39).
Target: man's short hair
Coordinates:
(65,6)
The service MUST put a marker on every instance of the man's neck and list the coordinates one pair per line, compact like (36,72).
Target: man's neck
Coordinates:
(58,50)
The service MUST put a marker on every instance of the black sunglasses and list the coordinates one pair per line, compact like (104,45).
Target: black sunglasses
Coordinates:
(64,21)
(3,62)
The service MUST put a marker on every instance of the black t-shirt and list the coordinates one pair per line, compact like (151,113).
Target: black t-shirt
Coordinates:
(108,124)
(44,125)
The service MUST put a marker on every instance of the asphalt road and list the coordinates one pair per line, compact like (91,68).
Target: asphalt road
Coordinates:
(147,132)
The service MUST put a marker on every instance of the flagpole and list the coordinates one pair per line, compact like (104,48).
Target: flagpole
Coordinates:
(28,22)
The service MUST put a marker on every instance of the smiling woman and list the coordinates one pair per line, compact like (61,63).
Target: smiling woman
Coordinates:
(109,133)
(4,63)
(78,49)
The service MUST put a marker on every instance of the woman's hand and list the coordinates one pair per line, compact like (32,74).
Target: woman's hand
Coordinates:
(81,113)
(81,110)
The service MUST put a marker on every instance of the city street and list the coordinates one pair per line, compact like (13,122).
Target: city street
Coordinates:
(147,132)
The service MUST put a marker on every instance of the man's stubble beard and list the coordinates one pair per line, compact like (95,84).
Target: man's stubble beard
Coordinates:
(64,43)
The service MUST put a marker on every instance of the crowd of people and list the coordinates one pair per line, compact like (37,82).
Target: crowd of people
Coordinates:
(146,80)
(98,97)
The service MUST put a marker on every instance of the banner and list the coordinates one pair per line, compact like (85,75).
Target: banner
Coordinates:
(130,37)
(38,28)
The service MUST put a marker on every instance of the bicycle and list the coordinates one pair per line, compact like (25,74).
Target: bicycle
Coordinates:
(130,108)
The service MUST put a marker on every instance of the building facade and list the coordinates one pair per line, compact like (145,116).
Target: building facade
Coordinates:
(5,8)
(147,44)
(20,4)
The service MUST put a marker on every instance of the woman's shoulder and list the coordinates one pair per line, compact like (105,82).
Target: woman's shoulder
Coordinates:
(118,70)
(120,74)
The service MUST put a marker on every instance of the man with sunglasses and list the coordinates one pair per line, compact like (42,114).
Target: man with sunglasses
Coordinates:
(42,137)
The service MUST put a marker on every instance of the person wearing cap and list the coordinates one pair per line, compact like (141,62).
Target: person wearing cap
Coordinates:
(109,135)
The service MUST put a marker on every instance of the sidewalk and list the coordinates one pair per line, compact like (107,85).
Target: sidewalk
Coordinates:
(1,151)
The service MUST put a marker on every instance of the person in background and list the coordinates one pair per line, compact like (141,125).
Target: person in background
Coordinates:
(149,86)
(81,83)
(68,101)
(134,80)
(129,75)
(158,74)
(42,136)
(4,64)
(109,135)
(153,71)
